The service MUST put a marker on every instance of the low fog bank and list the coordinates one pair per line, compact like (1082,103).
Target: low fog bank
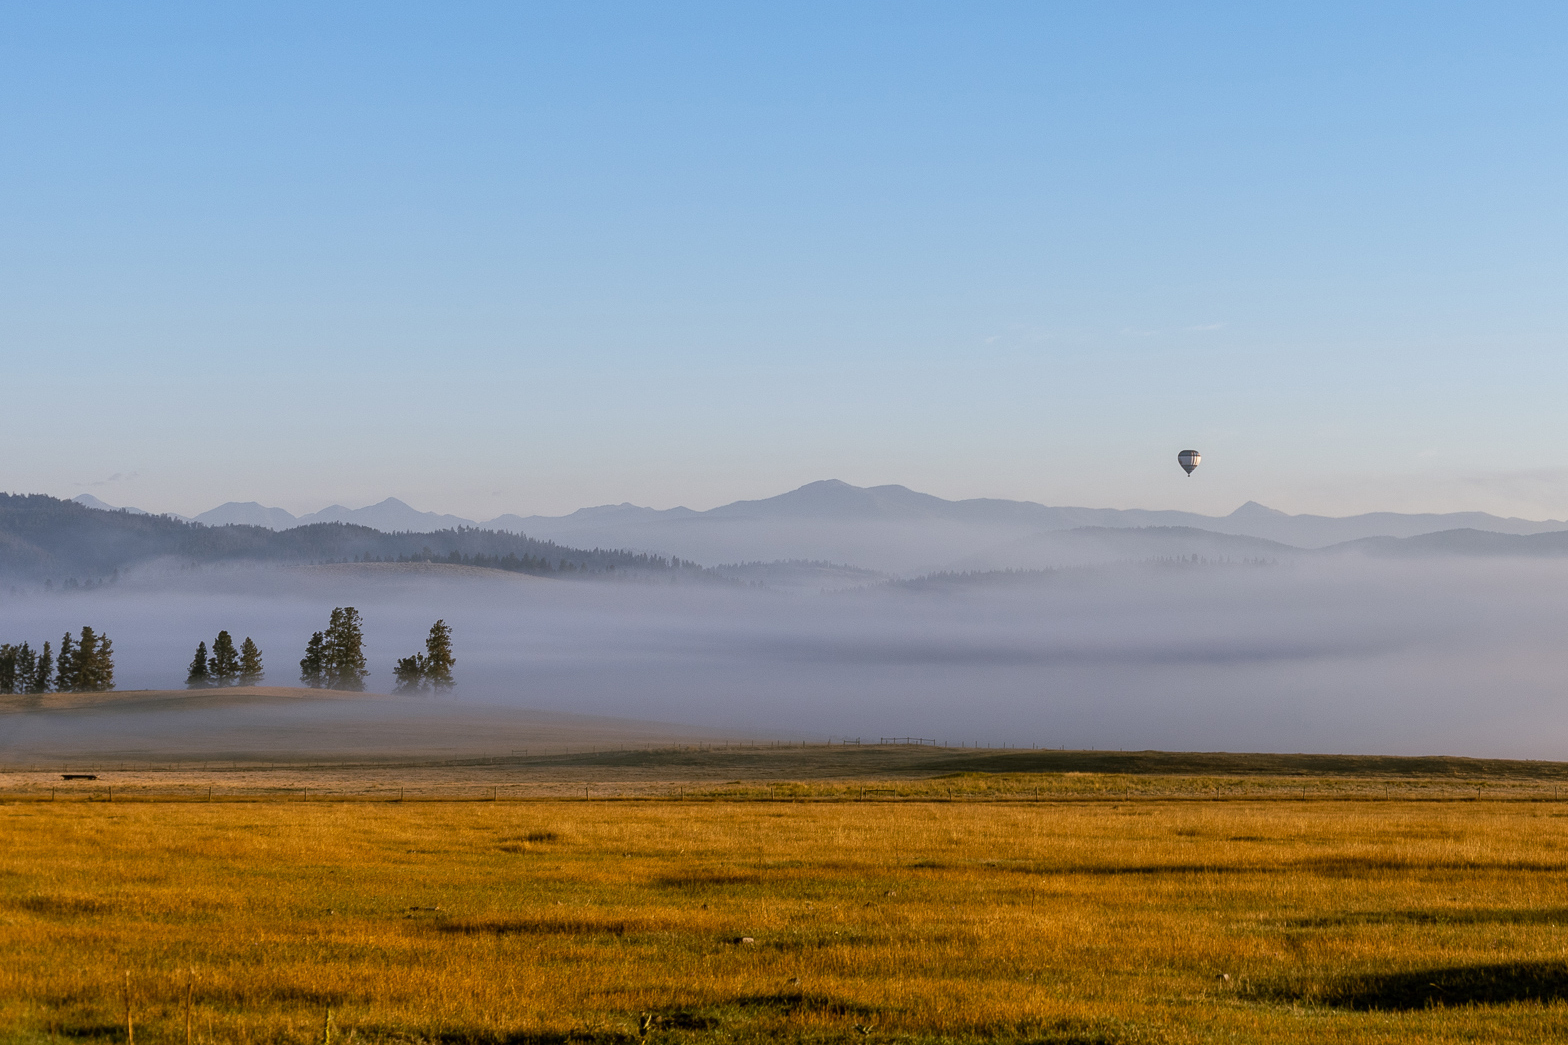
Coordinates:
(1354,655)
(370,728)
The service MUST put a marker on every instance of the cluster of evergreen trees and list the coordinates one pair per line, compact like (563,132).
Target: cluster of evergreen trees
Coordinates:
(431,669)
(335,658)
(83,665)
(226,666)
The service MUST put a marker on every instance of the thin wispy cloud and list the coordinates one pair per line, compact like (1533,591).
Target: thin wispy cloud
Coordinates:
(117,477)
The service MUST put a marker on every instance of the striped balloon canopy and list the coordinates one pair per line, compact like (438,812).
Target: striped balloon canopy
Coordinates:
(1189,459)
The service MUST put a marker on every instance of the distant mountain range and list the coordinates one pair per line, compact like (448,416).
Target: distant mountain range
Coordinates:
(389,516)
(46,539)
(891,528)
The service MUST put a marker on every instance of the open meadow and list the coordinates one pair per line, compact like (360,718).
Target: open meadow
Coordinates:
(1154,919)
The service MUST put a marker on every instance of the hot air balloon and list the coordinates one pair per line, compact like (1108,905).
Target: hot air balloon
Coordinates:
(1189,459)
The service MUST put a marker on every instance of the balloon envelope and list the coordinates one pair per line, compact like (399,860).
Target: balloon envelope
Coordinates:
(1189,459)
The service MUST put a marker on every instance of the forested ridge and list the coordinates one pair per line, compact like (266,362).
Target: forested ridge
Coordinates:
(46,538)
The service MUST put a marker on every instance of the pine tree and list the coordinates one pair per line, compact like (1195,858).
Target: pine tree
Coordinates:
(438,657)
(41,671)
(410,674)
(65,675)
(312,669)
(343,651)
(197,677)
(225,665)
(8,655)
(94,662)
(103,673)
(86,654)
(250,663)
(26,667)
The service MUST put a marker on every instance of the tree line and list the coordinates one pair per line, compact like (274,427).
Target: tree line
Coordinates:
(539,565)
(334,659)
(83,664)
(431,669)
(226,665)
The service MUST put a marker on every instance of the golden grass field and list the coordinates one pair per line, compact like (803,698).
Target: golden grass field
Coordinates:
(1143,920)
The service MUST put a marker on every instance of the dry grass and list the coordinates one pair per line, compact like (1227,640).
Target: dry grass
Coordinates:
(1063,922)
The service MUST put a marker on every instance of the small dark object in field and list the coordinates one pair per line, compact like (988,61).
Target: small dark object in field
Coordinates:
(744,940)
(78,776)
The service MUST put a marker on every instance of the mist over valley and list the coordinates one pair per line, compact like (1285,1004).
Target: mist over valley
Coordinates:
(1081,636)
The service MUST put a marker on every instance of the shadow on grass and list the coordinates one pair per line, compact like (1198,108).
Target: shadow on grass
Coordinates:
(61,906)
(1485,916)
(1327,867)
(549,927)
(89,1031)
(708,879)
(1498,984)
(669,1032)
(789,1002)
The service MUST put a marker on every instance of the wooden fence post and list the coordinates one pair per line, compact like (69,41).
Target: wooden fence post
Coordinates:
(130,1028)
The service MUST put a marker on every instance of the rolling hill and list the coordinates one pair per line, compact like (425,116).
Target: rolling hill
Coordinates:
(44,538)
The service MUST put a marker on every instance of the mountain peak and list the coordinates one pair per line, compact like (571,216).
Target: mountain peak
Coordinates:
(247,513)
(87,500)
(835,499)
(1254,510)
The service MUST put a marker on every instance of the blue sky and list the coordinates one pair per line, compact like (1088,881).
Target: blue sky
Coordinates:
(524,258)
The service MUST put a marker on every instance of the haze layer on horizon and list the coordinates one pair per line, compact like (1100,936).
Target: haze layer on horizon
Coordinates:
(499,259)
(1351,655)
